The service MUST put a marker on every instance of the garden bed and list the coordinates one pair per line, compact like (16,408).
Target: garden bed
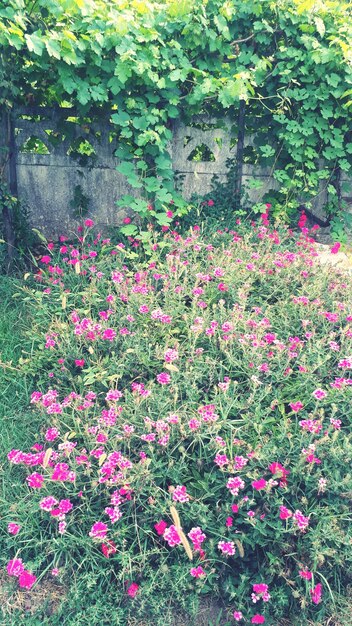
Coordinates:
(190,405)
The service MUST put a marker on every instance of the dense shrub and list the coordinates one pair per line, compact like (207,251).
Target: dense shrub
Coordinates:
(195,402)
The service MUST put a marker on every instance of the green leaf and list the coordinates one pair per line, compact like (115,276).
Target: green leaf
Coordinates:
(267,150)
(121,119)
(35,43)
(129,230)
(345,165)
(162,219)
(125,168)
(151,184)
(175,75)
(320,26)
(332,79)
(53,48)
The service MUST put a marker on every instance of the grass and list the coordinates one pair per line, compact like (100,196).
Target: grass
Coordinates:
(13,320)
(17,422)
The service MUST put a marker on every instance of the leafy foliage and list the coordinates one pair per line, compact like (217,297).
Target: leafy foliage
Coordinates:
(152,63)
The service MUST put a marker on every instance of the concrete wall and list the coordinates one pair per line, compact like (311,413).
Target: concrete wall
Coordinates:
(46,182)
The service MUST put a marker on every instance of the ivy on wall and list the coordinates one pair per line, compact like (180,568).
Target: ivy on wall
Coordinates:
(151,63)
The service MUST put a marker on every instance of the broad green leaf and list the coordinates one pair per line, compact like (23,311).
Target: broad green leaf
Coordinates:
(129,230)
(53,48)
(121,119)
(35,43)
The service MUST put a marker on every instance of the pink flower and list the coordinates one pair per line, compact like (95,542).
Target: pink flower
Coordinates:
(301,521)
(170,355)
(15,567)
(260,588)
(89,223)
(258,619)
(259,484)
(132,590)
(197,572)
(285,513)
(235,483)
(306,574)
(26,579)
(316,593)
(346,363)
(163,378)
(280,471)
(13,528)
(229,522)
(99,530)
(237,615)
(109,334)
(221,459)
(171,536)
(35,480)
(197,537)
(234,508)
(296,406)
(319,394)
(227,547)
(301,223)
(65,506)
(335,248)
(48,503)
(126,220)
(79,362)
(52,434)
(180,494)
(160,527)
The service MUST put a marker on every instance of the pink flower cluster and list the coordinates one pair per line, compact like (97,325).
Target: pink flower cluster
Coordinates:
(16,568)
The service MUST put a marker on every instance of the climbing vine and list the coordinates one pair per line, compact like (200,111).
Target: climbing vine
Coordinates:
(147,64)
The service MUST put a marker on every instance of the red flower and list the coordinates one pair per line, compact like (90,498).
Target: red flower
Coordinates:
(108,548)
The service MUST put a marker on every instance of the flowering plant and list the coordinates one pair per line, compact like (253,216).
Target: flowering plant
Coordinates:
(189,431)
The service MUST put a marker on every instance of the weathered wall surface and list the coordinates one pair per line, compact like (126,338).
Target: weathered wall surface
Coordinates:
(46,182)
